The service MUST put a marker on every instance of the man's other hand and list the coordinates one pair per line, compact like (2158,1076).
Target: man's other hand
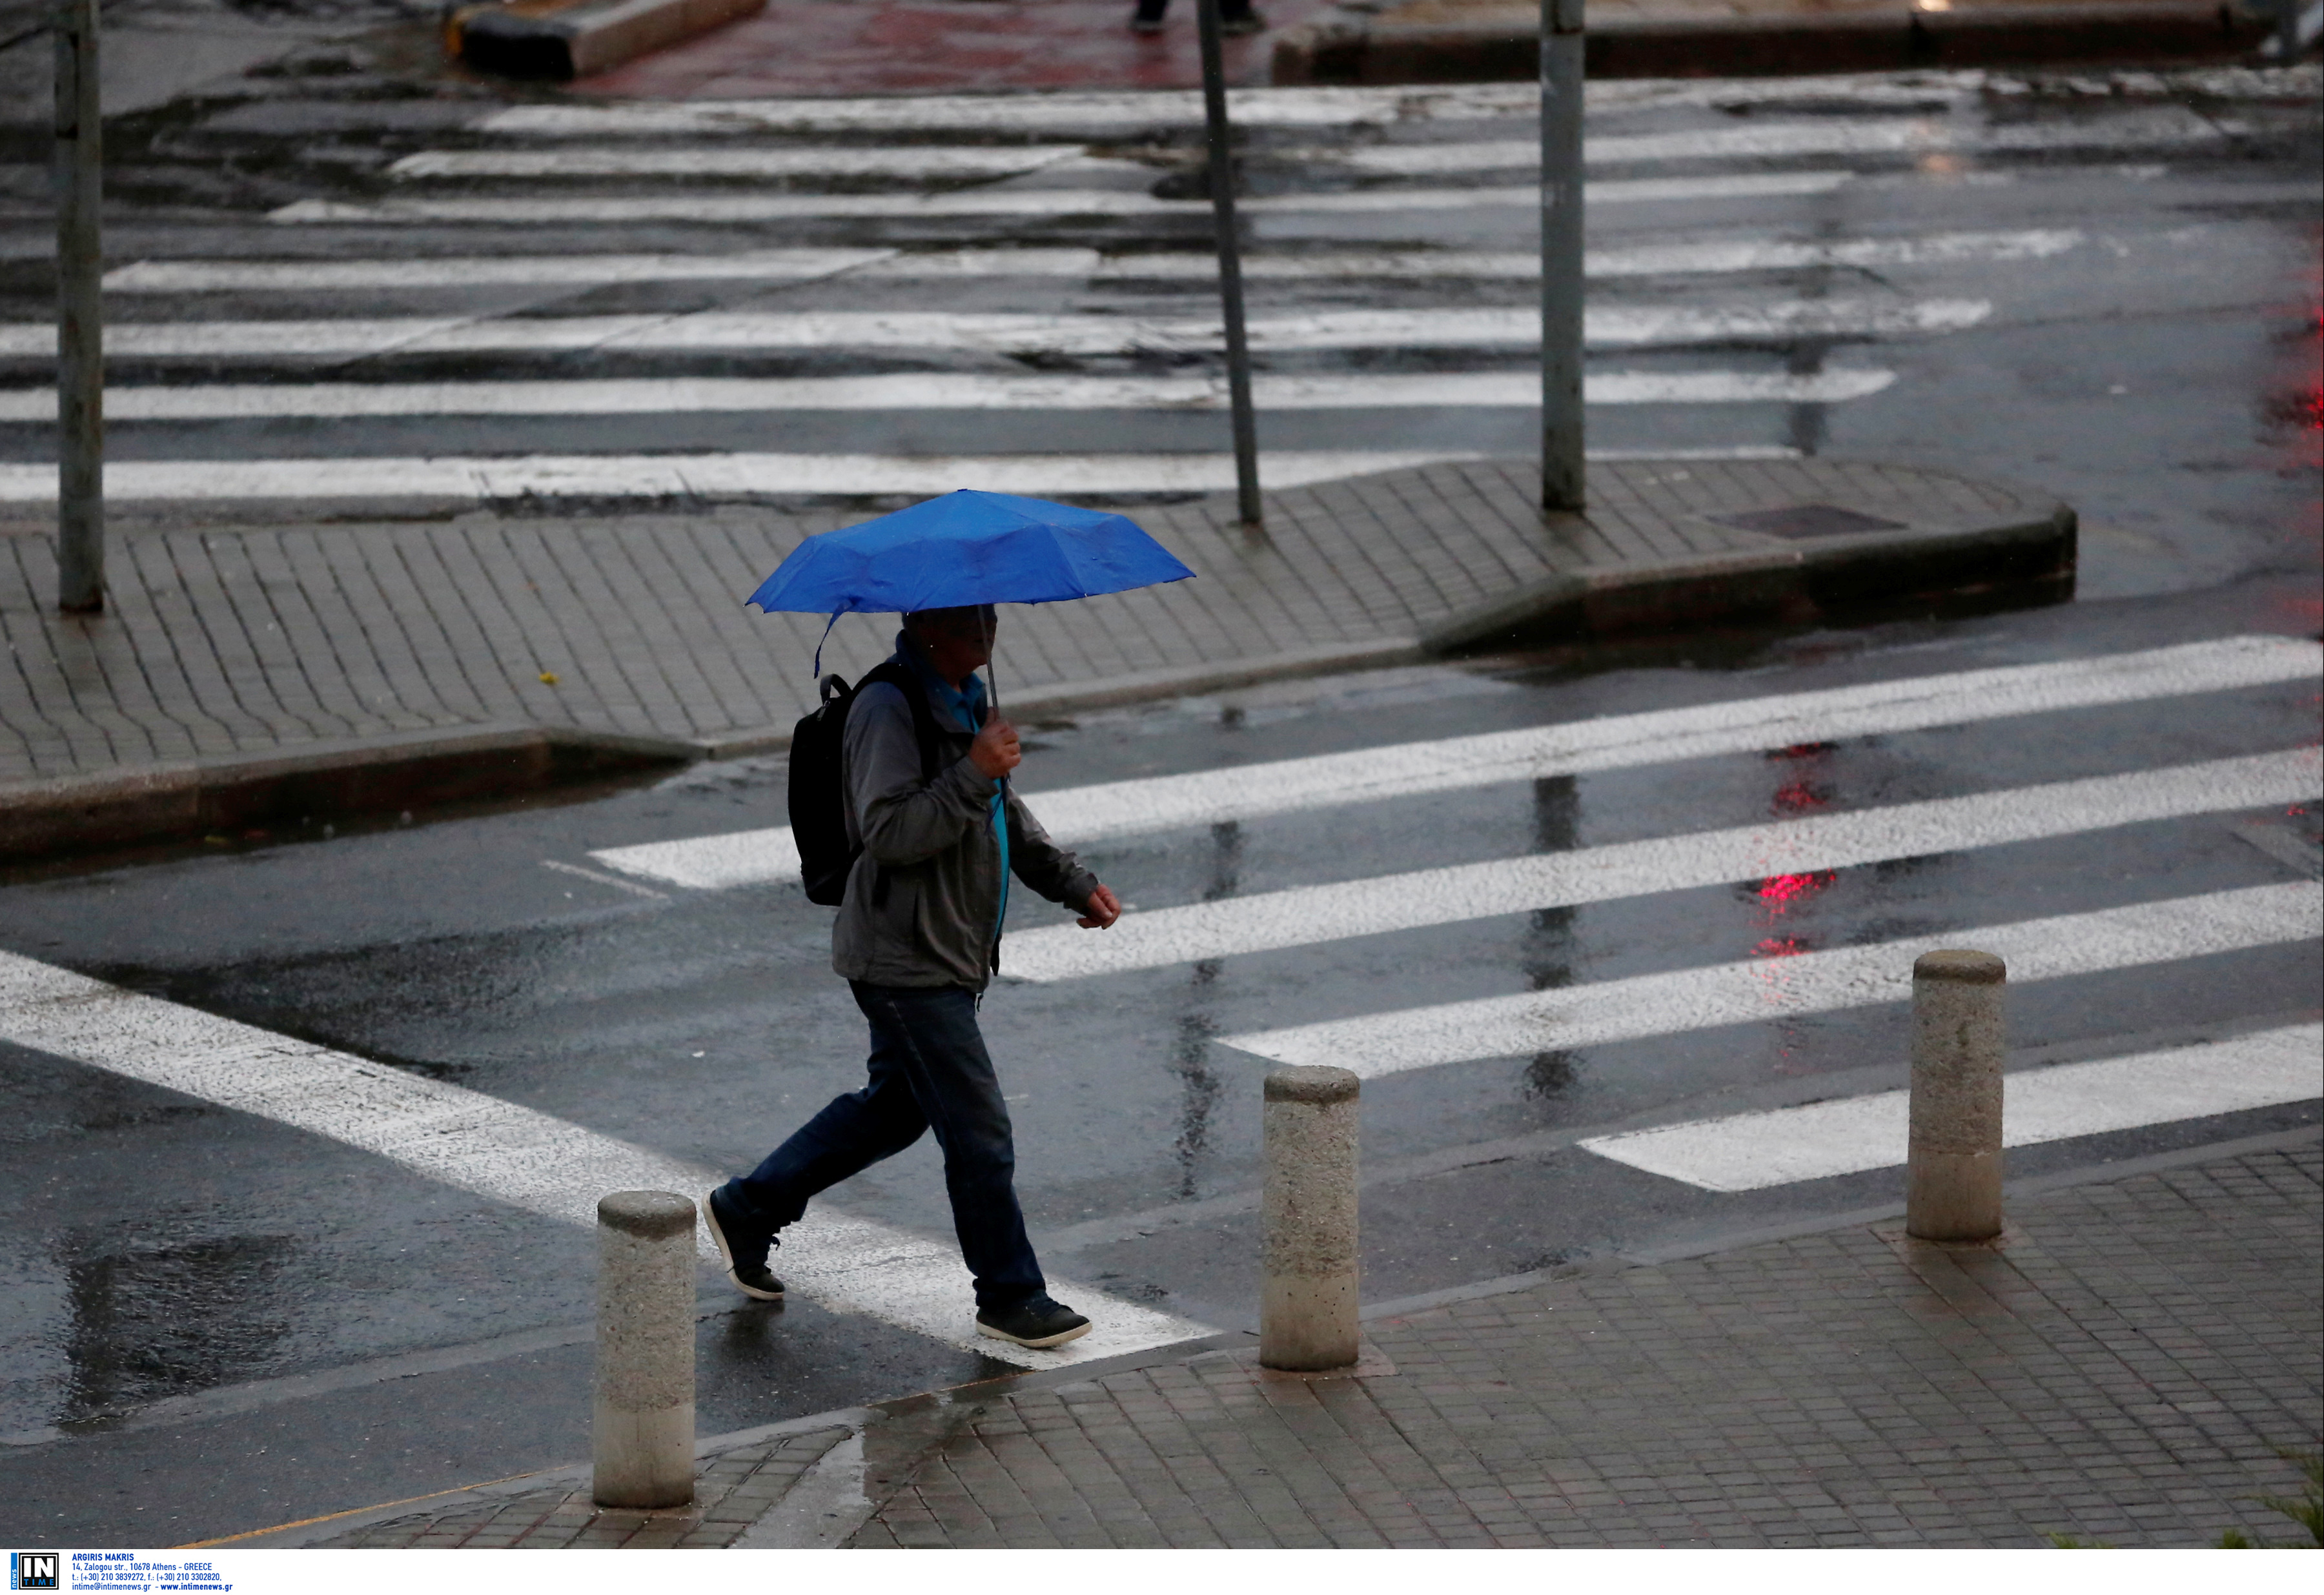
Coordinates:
(995,750)
(1101,911)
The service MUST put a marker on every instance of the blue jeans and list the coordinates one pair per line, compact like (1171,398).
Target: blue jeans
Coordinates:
(928,1071)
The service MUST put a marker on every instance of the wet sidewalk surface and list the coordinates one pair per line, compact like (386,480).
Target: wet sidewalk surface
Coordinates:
(872,47)
(224,641)
(851,47)
(2124,1367)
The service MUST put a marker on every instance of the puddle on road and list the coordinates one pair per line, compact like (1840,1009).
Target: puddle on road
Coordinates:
(153,1318)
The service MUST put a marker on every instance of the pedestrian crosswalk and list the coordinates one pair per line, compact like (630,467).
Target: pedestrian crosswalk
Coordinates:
(1085,814)
(1751,1151)
(1016,290)
(1300,926)
(1794,985)
(526,1158)
(1304,916)
(2148,925)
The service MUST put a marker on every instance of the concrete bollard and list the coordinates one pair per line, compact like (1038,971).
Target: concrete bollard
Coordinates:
(1953,1176)
(1308,1311)
(644,1420)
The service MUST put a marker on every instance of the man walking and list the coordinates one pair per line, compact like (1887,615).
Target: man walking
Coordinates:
(918,939)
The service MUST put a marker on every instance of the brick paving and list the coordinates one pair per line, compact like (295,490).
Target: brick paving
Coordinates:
(2126,1367)
(824,47)
(2122,1368)
(224,640)
(733,1489)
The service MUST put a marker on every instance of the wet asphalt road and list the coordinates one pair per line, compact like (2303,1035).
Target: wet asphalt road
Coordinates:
(163,1252)
(212,1323)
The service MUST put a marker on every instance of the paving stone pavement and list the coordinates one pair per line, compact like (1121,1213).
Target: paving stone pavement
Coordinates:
(733,1489)
(2122,1368)
(225,640)
(2127,1366)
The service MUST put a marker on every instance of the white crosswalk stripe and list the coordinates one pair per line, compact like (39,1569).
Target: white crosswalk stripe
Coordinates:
(1302,915)
(698,395)
(1761,989)
(1752,1151)
(714,209)
(516,1155)
(1080,816)
(702,476)
(1707,257)
(1004,333)
(2166,128)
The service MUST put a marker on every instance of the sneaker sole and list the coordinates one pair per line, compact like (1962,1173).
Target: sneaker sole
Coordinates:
(1042,1344)
(726,1256)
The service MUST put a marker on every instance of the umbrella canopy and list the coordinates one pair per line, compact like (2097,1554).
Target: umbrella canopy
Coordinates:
(967,548)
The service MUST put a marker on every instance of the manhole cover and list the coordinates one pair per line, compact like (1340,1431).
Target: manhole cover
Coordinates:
(1807,520)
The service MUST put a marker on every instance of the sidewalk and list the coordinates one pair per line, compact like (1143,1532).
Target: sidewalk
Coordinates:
(1478,41)
(2123,1367)
(861,47)
(253,675)
(852,47)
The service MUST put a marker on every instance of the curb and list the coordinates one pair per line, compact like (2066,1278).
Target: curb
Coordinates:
(935,1404)
(2021,564)
(1351,50)
(562,40)
(364,775)
(1797,576)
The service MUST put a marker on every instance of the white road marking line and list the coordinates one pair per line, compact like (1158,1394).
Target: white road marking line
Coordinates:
(659,476)
(2169,126)
(1603,1011)
(275,276)
(1305,916)
(794,162)
(601,878)
(714,209)
(1704,257)
(918,391)
(1078,815)
(1012,334)
(1752,1151)
(2149,128)
(1018,114)
(1015,115)
(516,1155)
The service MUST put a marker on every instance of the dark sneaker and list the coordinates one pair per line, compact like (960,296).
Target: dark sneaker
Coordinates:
(741,1249)
(1038,1322)
(1149,18)
(1234,24)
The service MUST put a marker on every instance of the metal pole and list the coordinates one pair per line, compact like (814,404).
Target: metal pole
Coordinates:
(642,1430)
(1952,1171)
(1223,211)
(1561,487)
(1309,1298)
(79,178)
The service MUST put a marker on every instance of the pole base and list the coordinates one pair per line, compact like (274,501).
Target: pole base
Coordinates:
(644,1457)
(1953,1196)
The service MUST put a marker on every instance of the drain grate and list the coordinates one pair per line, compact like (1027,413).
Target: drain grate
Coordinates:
(1807,520)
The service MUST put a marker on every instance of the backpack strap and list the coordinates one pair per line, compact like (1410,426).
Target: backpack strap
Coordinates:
(924,719)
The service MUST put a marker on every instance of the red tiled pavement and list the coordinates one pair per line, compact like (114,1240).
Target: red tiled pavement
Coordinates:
(847,47)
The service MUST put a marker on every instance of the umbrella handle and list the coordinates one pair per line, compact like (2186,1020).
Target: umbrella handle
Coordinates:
(992,692)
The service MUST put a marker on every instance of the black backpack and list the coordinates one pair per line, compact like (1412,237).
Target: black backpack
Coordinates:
(818,796)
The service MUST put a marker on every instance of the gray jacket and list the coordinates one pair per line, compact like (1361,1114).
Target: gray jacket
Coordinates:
(922,898)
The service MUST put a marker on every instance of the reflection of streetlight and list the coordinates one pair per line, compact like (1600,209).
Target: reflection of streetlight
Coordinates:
(1932,5)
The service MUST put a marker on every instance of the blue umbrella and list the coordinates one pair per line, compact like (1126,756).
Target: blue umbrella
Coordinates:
(967,548)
